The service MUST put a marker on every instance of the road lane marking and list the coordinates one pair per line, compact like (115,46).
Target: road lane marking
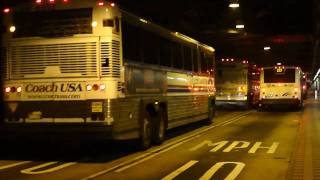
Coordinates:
(32,170)
(237,145)
(257,146)
(157,151)
(231,176)
(180,170)
(147,158)
(127,164)
(13,165)
(217,145)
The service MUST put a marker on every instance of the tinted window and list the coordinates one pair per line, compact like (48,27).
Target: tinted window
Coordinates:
(177,56)
(131,42)
(187,58)
(53,23)
(287,76)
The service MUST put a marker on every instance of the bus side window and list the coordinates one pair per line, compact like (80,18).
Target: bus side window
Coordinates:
(187,58)
(195,60)
(131,42)
(150,47)
(165,53)
(210,59)
(177,56)
(204,63)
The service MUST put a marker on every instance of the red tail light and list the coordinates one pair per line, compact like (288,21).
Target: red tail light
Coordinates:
(6,10)
(100,3)
(39,1)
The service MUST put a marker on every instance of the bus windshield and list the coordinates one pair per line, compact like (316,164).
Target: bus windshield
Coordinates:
(53,23)
(287,76)
(230,74)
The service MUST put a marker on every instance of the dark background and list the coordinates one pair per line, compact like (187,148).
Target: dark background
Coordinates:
(287,26)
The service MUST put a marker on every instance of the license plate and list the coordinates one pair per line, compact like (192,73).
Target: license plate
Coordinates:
(96,107)
(35,115)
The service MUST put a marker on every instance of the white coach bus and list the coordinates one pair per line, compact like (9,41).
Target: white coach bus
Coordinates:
(88,66)
(281,85)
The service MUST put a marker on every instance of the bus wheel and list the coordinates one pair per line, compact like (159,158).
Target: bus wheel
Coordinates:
(160,128)
(211,113)
(145,132)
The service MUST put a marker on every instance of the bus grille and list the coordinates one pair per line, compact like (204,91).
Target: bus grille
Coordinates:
(72,58)
(111,52)
(4,64)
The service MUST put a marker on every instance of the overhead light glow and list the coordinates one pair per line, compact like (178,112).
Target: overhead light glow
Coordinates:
(266,48)
(239,26)
(234,5)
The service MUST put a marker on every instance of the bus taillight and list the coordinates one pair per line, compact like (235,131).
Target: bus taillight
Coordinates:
(51,1)
(6,10)
(7,89)
(89,87)
(13,89)
(100,3)
(38,1)
(102,87)
(96,87)
(19,89)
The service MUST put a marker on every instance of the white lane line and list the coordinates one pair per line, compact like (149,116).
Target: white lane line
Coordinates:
(231,176)
(234,120)
(180,170)
(127,164)
(32,170)
(157,151)
(13,165)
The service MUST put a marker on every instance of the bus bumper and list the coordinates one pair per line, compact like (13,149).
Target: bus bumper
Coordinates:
(274,102)
(231,103)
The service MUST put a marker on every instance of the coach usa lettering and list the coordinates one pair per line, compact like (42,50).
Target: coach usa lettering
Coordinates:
(68,87)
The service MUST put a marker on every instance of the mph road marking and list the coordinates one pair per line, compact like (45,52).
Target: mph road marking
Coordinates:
(236,145)
(154,152)
(208,175)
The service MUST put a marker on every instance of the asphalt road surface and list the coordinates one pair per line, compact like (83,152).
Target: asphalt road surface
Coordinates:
(273,144)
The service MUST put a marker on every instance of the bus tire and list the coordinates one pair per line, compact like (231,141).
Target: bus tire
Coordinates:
(145,131)
(211,112)
(159,130)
